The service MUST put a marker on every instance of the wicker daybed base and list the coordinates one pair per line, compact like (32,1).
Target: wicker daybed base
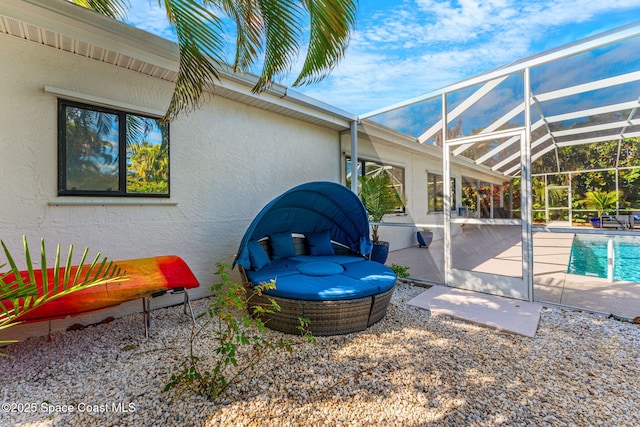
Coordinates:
(326,317)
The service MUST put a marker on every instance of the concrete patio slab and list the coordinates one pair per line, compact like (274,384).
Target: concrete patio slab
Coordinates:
(488,251)
(503,314)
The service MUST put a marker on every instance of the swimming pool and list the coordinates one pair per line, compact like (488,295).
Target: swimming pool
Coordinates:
(589,257)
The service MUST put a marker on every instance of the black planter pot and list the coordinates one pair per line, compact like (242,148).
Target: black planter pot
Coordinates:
(595,222)
(380,252)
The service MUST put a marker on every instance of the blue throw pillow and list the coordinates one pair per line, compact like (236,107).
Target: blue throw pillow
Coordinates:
(257,255)
(282,245)
(319,243)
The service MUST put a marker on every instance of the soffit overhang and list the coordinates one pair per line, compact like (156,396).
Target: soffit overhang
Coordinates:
(59,24)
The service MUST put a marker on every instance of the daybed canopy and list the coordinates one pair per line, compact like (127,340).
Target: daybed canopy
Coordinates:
(312,207)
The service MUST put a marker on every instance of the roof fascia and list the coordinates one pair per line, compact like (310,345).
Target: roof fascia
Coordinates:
(83,24)
(91,27)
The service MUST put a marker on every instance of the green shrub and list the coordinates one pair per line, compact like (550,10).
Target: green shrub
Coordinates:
(240,339)
(401,271)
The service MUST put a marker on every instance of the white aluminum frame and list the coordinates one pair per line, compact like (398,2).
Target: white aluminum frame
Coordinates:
(515,287)
(491,80)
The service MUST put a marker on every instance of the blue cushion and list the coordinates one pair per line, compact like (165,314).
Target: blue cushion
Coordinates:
(320,268)
(324,288)
(257,255)
(338,259)
(277,268)
(282,245)
(319,243)
(372,273)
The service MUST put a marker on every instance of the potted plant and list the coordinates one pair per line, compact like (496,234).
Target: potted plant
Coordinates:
(425,237)
(600,201)
(379,198)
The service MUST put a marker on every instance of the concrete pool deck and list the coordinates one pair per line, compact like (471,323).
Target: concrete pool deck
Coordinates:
(482,251)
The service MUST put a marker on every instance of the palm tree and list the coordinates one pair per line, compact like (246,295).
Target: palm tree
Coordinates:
(267,30)
(148,168)
(600,200)
(21,293)
(379,198)
(147,156)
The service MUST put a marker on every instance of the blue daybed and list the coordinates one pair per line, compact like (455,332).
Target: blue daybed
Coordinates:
(313,241)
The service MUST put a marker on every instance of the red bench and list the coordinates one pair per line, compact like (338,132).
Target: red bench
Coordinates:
(148,277)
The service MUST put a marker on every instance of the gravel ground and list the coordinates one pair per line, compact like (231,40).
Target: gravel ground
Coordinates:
(410,369)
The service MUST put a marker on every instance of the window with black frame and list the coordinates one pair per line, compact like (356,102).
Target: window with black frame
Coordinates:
(435,193)
(368,167)
(106,152)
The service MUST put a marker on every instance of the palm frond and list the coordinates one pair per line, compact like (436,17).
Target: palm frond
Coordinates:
(331,23)
(601,200)
(379,198)
(201,45)
(20,292)
(270,27)
(282,37)
(249,29)
(116,9)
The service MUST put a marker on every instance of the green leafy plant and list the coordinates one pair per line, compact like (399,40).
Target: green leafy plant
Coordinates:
(601,201)
(401,271)
(269,34)
(240,338)
(379,198)
(19,295)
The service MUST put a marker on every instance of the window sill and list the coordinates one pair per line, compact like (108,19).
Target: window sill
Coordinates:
(110,202)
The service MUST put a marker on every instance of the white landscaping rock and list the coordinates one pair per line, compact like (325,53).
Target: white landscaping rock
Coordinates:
(409,369)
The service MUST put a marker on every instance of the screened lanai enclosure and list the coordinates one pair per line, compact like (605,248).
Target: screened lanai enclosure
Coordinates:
(559,133)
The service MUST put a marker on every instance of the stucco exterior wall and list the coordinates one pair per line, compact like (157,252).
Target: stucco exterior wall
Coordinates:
(226,161)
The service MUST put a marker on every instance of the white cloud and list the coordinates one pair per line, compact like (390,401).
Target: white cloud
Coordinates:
(148,16)
(422,45)
(404,48)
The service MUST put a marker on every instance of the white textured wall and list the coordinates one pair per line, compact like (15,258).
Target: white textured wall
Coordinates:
(227,161)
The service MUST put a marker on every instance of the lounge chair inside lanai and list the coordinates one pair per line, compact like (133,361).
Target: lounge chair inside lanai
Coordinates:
(313,241)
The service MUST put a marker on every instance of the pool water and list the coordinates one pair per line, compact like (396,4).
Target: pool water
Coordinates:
(589,257)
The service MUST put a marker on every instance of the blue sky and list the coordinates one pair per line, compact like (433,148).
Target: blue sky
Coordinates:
(404,48)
